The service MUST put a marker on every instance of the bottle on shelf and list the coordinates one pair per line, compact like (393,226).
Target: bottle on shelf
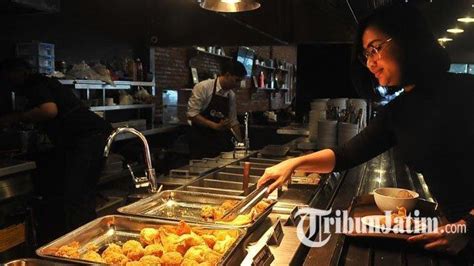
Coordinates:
(139,65)
(272,81)
(261,80)
(131,69)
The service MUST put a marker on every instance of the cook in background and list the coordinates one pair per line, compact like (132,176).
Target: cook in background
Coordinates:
(212,112)
(78,135)
(431,122)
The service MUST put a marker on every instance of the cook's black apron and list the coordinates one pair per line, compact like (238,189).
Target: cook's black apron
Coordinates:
(208,142)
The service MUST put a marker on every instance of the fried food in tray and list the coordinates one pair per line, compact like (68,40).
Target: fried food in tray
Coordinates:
(215,213)
(164,245)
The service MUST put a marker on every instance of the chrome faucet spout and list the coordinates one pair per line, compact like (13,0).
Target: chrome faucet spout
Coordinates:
(246,138)
(150,171)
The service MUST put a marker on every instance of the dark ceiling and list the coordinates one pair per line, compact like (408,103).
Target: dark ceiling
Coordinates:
(183,22)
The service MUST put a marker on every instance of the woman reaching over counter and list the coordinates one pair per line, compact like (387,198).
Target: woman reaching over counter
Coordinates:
(431,121)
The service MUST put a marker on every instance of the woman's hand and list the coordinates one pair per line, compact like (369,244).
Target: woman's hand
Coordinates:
(280,173)
(443,240)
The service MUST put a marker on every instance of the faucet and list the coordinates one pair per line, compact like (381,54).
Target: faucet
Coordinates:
(245,144)
(246,138)
(150,178)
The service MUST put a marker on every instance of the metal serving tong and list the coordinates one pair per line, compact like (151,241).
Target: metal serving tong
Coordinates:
(247,203)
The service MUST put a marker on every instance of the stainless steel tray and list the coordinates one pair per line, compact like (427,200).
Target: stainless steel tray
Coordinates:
(118,228)
(186,205)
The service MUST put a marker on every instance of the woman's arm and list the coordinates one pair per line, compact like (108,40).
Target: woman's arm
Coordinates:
(373,140)
(322,162)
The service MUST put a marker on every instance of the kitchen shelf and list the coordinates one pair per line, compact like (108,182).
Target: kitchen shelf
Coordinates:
(266,89)
(120,107)
(218,55)
(98,84)
(267,67)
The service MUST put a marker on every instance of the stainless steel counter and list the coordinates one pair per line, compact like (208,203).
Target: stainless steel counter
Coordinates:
(9,167)
(383,171)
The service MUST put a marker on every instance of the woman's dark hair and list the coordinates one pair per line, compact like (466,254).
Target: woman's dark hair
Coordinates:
(234,68)
(421,54)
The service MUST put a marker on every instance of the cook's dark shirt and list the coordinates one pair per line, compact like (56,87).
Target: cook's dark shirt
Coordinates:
(73,120)
(433,127)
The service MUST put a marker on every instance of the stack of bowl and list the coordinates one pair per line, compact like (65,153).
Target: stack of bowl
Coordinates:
(346,131)
(318,112)
(327,131)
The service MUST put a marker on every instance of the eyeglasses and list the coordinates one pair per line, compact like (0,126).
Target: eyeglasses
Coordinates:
(372,52)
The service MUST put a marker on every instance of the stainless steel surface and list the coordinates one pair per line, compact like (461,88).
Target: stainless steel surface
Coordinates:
(179,205)
(10,167)
(117,228)
(34,262)
(235,177)
(150,171)
(120,107)
(14,178)
(293,131)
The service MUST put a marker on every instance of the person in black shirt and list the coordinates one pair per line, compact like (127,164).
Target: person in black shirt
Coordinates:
(79,137)
(431,122)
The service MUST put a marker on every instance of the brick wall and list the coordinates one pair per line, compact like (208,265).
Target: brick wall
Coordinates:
(173,71)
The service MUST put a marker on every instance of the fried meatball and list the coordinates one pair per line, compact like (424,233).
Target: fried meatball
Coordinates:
(188,262)
(222,246)
(92,256)
(112,248)
(149,236)
(133,250)
(154,249)
(150,260)
(115,258)
(69,251)
(171,259)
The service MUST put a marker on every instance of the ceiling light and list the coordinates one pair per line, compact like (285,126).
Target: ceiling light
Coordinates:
(444,39)
(229,5)
(466,19)
(455,30)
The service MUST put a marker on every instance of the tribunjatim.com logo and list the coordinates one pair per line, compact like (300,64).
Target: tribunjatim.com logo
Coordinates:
(321,222)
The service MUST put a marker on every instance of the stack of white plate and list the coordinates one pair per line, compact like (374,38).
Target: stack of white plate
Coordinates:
(327,131)
(340,103)
(319,104)
(318,112)
(346,131)
(359,104)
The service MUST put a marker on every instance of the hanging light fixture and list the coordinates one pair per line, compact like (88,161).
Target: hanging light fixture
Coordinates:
(444,39)
(230,6)
(466,19)
(455,30)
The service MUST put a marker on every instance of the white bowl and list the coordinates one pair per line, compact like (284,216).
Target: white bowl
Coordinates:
(387,200)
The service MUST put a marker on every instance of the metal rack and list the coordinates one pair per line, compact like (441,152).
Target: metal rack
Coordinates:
(88,85)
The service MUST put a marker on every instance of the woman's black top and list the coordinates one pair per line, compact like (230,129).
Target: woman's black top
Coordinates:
(433,127)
